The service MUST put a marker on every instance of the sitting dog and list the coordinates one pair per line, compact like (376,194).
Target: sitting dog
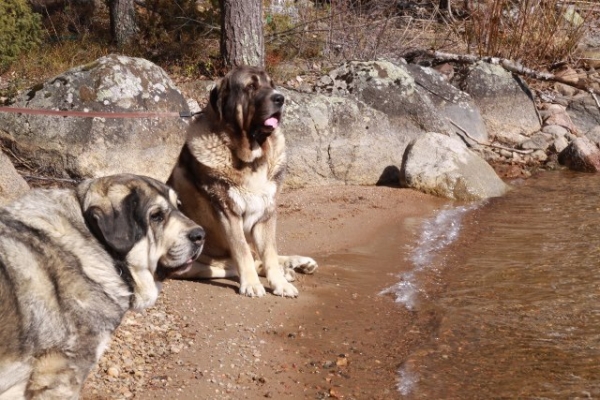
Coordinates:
(228,175)
(72,262)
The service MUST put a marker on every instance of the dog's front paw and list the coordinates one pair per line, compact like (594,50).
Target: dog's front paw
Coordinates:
(285,289)
(252,289)
(306,265)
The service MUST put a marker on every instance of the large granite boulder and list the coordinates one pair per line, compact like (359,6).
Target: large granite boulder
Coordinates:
(416,99)
(336,140)
(444,166)
(357,126)
(504,99)
(356,131)
(91,147)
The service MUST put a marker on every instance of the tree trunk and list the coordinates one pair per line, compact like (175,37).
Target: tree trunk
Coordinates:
(242,40)
(123,25)
(444,6)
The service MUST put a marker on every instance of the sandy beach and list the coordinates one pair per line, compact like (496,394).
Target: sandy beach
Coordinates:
(339,339)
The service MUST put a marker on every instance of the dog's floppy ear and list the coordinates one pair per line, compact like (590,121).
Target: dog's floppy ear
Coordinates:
(116,226)
(214,99)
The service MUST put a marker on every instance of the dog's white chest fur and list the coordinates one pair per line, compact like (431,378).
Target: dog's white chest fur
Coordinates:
(253,199)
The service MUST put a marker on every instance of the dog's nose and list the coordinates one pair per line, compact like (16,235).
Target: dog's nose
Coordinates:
(196,235)
(278,99)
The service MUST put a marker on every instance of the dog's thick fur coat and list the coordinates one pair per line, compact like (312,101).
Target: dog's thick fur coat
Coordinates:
(72,262)
(228,174)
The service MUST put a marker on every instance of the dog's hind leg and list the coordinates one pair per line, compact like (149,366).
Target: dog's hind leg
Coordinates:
(290,265)
(54,377)
(293,264)
(206,268)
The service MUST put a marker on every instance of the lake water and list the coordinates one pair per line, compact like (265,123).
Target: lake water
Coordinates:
(513,288)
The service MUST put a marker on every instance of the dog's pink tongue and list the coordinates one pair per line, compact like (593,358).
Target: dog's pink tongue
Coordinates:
(272,122)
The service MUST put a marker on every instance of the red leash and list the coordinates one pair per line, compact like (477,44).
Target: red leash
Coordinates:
(98,114)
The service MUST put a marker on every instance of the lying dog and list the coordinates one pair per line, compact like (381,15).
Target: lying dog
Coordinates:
(228,175)
(72,262)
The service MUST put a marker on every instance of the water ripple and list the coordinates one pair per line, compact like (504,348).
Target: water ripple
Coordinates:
(437,233)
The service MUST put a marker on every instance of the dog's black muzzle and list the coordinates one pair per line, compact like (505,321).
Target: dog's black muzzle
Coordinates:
(268,117)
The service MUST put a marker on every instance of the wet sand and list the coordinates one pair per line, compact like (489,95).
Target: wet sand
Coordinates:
(338,339)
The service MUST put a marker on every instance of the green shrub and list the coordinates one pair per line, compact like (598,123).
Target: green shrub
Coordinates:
(19,30)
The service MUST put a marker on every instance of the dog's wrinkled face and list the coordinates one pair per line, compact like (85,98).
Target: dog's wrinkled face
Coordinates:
(246,100)
(138,221)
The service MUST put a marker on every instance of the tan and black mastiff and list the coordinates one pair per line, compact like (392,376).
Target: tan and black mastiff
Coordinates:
(228,175)
(72,262)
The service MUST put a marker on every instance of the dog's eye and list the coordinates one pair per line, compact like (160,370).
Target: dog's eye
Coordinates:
(157,216)
(252,86)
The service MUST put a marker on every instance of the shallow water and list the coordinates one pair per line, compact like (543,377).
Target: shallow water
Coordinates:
(514,287)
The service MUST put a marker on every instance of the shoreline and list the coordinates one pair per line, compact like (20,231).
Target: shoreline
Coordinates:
(338,339)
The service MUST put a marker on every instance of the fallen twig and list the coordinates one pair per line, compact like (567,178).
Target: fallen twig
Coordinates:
(509,65)
(11,154)
(488,145)
(595,99)
(44,178)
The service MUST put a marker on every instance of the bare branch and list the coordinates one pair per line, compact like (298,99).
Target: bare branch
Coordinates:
(463,130)
(50,179)
(509,65)
(595,99)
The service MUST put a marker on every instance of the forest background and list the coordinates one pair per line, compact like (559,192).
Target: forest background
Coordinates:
(294,40)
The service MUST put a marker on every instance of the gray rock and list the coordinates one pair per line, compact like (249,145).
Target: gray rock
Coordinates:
(336,140)
(555,130)
(357,132)
(549,109)
(487,154)
(452,170)
(12,185)
(91,147)
(584,113)
(451,104)
(539,156)
(415,99)
(594,135)
(537,141)
(561,119)
(511,138)
(325,80)
(506,153)
(581,155)
(566,90)
(504,100)
(560,143)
